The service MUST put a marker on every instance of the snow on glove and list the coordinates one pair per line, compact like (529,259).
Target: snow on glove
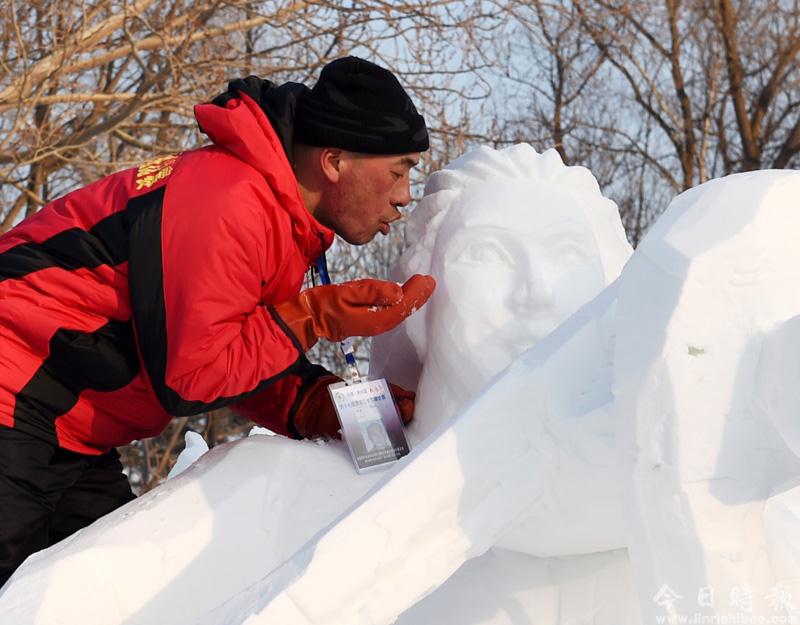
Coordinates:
(315,415)
(359,308)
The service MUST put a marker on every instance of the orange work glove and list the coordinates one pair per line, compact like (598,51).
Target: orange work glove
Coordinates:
(359,308)
(315,415)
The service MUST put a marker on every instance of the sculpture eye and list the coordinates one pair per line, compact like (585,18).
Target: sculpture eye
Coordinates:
(485,253)
(569,256)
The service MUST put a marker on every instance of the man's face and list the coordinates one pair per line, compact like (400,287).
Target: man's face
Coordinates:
(365,199)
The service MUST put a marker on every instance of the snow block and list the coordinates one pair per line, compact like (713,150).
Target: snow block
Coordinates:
(717,273)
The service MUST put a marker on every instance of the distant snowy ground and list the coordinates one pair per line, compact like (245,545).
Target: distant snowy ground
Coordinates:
(660,418)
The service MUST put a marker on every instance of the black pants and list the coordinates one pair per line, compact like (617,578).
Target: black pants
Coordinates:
(48,493)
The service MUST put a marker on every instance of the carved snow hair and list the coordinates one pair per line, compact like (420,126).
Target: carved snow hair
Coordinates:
(487,166)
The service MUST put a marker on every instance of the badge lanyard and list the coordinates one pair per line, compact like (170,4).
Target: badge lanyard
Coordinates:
(347,344)
(364,407)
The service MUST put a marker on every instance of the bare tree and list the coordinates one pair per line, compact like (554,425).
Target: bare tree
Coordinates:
(656,97)
(92,86)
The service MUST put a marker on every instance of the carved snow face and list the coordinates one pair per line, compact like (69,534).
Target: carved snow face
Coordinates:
(517,242)
(512,261)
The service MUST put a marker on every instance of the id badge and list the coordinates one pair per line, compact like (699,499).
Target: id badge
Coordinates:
(371,424)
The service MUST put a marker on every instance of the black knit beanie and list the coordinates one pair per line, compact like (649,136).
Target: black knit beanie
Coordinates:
(359,106)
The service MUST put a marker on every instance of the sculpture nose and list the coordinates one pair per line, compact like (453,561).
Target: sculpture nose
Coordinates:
(534,291)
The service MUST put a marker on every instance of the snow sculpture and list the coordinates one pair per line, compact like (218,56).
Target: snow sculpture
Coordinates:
(552,524)
(245,508)
(517,243)
(707,408)
(702,414)
(509,271)
(536,443)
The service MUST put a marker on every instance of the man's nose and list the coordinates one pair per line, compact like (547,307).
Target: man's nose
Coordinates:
(403,197)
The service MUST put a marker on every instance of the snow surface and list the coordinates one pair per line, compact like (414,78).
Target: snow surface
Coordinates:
(693,387)
(657,421)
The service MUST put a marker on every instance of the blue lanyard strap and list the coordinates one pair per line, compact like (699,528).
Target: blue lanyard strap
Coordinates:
(322,269)
(346,345)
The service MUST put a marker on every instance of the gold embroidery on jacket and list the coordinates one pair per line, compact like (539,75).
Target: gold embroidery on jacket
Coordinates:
(154,170)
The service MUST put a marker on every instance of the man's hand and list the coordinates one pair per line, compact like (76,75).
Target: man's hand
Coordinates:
(359,308)
(405,402)
(315,415)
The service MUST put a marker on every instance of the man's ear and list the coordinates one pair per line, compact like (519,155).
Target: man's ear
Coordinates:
(331,161)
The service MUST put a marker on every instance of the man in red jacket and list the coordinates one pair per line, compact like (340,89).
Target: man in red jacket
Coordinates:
(174,288)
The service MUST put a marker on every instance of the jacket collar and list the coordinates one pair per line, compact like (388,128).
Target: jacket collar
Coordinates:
(242,128)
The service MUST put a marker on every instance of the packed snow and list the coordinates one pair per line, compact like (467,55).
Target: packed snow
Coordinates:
(585,450)
(695,373)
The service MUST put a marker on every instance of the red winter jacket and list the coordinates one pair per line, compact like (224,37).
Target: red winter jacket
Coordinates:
(144,295)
